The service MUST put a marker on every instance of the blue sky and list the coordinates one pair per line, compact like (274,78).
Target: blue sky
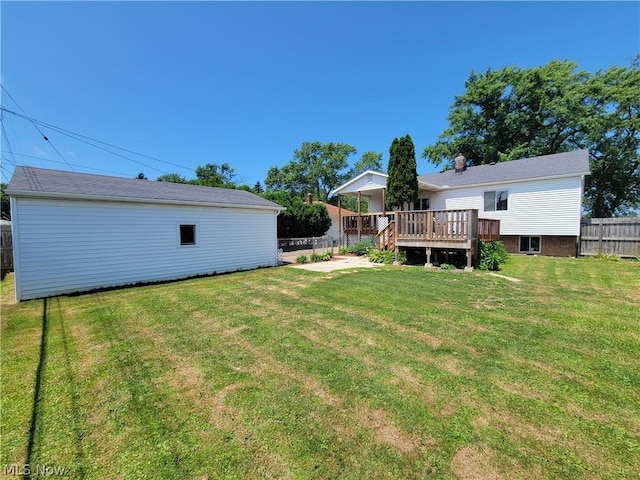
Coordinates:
(246,83)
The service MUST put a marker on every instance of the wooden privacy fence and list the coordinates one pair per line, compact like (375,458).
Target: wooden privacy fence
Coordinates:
(611,236)
(6,249)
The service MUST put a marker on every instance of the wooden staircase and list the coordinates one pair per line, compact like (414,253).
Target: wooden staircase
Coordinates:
(386,238)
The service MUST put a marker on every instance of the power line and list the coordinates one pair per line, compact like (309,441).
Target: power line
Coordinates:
(75,165)
(6,138)
(85,139)
(36,126)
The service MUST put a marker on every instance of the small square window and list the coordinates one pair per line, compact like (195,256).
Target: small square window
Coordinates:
(187,234)
(424,203)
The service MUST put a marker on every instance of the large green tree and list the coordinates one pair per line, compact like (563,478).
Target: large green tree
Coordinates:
(516,113)
(300,219)
(402,183)
(316,168)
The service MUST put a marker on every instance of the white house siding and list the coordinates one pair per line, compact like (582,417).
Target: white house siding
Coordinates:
(541,207)
(67,246)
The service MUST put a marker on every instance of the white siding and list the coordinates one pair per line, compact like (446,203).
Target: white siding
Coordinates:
(67,246)
(542,207)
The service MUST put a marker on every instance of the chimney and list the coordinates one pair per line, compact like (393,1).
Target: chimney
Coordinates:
(309,198)
(460,163)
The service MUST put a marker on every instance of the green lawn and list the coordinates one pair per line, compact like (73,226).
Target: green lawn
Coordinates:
(379,373)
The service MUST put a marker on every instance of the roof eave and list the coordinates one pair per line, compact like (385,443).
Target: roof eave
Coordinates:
(346,185)
(96,198)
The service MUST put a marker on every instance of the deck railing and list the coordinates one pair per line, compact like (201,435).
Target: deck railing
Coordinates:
(441,225)
(488,229)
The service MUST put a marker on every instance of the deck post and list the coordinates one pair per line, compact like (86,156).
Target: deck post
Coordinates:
(428,264)
(395,261)
(359,217)
(340,240)
(469,257)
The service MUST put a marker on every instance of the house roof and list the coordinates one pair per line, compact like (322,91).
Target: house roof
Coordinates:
(573,163)
(42,182)
(372,181)
(556,165)
(333,210)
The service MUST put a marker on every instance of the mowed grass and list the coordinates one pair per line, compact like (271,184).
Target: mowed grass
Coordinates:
(378,373)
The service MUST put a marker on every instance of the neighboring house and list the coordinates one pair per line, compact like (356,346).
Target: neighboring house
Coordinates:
(538,200)
(334,213)
(75,232)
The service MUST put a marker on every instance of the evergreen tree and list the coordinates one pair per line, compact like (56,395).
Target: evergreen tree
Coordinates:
(402,184)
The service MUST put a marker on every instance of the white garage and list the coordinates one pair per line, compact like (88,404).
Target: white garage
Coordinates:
(75,232)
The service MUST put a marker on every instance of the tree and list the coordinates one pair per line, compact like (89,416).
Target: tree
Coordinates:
(141,176)
(315,168)
(5,209)
(402,183)
(257,188)
(214,175)
(172,178)
(368,161)
(518,113)
(299,219)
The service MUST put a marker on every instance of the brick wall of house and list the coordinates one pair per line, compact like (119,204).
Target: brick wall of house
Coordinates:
(552,245)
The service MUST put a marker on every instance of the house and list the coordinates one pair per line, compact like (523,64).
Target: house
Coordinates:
(75,232)
(537,201)
(335,214)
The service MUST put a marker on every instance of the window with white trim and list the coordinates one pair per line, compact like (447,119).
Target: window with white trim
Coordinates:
(187,234)
(529,244)
(495,200)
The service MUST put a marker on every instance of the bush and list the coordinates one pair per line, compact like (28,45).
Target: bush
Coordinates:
(492,255)
(301,259)
(446,266)
(321,257)
(386,256)
(362,247)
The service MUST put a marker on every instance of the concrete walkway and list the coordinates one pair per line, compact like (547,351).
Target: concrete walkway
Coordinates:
(339,262)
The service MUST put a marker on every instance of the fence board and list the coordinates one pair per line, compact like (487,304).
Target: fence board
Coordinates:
(6,249)
(610,236)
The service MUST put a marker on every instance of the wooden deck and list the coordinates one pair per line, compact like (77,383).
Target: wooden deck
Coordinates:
(429,229)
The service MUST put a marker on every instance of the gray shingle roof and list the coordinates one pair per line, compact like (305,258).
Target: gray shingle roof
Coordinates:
(42,182)
(558,164)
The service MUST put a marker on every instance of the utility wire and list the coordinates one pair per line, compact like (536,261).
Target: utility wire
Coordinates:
(75,165)
(36,126)
(6,138)
(88,140)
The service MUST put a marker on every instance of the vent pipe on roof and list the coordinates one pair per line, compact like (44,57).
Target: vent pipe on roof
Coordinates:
(460,163)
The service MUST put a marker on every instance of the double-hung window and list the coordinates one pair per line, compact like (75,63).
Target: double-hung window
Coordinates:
(496,200)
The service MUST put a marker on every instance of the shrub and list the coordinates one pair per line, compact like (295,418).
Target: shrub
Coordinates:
(301,259)
(386,256)
(492,255)
(321,257)
(362,247)
(446,266)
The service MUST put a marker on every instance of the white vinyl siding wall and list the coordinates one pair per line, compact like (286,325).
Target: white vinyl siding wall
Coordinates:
(67,246)
(541,207)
